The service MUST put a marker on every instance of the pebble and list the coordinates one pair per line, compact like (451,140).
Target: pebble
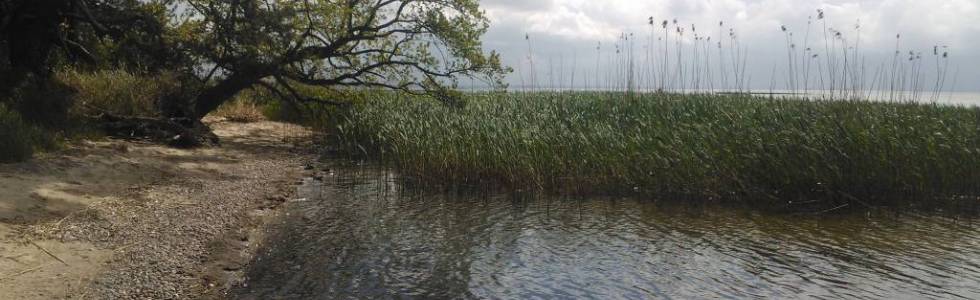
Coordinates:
(169,245)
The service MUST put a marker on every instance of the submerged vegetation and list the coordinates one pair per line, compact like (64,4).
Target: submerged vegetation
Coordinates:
(699,146)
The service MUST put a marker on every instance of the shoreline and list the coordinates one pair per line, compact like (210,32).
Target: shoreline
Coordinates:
(113,219)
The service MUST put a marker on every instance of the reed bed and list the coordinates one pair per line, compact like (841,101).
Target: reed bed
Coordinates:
(727,147)
(823,59)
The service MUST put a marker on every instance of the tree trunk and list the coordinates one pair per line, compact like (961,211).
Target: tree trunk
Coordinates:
(214,96)
(181,124)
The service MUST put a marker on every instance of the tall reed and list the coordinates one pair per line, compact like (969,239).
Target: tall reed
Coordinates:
(732,147)
(677,58)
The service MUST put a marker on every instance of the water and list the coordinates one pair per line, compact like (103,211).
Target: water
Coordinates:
(968,99)
(360,234)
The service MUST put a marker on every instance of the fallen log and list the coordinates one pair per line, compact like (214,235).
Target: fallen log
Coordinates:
(175,132)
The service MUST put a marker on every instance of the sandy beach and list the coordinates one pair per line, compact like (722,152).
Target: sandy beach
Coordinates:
(114,219)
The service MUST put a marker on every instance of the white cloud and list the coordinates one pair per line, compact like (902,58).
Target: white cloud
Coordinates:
(567,26)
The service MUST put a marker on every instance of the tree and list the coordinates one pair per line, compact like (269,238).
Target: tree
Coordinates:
(414,46)
(29,30)
(135,35)
(37,36)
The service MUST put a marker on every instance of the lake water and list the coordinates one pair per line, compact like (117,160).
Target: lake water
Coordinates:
(945,98)
(361,234)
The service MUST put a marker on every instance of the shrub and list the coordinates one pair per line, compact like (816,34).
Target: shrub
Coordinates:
(43,102)
(313,114)
(243,109)
(17,139)
(119,92)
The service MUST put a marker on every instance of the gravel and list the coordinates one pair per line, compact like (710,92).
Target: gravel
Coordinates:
(189,235)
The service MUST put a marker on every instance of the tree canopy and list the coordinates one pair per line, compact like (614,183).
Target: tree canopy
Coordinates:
(415,46)
(36,35)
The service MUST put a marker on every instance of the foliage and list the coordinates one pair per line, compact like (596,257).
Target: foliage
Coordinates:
(417,46)
(132,35)
(119,92)
(242,110)
(700,146)
(39,36)
(41,101)
(17,139)
(315,114)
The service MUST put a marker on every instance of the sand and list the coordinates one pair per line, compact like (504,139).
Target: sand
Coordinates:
(113,219)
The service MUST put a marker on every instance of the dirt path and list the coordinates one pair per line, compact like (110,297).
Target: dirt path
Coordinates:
(127,220)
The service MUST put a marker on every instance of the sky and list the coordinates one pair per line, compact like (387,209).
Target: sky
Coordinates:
(563,35)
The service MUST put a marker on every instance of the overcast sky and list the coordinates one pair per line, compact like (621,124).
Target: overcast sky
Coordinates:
(562,29)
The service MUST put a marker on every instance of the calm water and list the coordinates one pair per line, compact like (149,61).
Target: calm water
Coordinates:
(971,99)
(360,234)
(945,98)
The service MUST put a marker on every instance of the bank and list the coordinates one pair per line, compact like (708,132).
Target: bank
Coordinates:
(114,219)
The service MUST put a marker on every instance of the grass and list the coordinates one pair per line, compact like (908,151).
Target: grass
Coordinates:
(118,92)
(39,115)
(241,110)
(319,116)
(730,147)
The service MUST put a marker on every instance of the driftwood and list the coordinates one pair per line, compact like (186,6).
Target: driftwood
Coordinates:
(48,252)
(176,132)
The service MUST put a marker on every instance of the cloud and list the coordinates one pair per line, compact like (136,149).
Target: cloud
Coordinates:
(519,5)
(548,18)
(573,28)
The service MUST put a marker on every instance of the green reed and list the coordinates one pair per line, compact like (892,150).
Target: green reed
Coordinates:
(693,146)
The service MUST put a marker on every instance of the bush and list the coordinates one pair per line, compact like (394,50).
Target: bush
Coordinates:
(56,106)
(243,109)
(119,92)
(17,139)
(312,114)
(43,102)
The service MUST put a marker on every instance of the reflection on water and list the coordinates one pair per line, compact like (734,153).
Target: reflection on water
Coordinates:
(361,235)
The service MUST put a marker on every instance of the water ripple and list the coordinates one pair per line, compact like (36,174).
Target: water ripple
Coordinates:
(363,235)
